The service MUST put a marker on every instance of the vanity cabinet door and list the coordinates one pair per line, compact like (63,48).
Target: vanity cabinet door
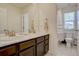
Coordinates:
(40,49)
(28,52)
(8,51)
(40,39)
(46,48)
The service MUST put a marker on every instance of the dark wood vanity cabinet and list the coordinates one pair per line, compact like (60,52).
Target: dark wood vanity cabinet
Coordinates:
(11,50)
(34,47)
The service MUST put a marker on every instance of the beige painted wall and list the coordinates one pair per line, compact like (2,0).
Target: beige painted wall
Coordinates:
(13,17)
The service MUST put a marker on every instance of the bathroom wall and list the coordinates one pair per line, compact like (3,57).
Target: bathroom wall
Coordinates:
(78,34)
(13,17)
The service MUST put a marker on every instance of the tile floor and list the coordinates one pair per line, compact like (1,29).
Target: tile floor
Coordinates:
(49,54)
(65,51)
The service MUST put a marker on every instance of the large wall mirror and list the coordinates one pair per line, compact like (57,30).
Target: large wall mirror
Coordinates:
(12,21)
(19,19)
(3,20)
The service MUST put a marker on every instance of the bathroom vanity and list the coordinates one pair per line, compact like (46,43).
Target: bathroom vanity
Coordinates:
(31,45)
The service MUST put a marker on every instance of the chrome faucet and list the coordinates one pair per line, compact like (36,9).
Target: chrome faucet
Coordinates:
(9,33)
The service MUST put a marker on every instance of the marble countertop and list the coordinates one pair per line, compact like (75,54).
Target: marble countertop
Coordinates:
(4,41)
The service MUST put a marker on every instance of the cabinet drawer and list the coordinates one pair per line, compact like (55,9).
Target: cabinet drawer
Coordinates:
(8,51)
(46,37)
(40,49)
(46,42)
(40,39)
(28,52)
(26,44)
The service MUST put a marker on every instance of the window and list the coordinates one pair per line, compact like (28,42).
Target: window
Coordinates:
(25,23)
(69,20)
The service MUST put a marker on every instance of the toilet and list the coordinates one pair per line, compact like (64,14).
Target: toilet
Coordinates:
(69,41)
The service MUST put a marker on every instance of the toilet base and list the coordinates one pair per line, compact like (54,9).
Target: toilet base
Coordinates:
(69,42)
(68,45)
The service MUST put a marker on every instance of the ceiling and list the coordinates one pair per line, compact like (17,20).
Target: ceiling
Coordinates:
(64,5)
(20,5)
(59,5)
